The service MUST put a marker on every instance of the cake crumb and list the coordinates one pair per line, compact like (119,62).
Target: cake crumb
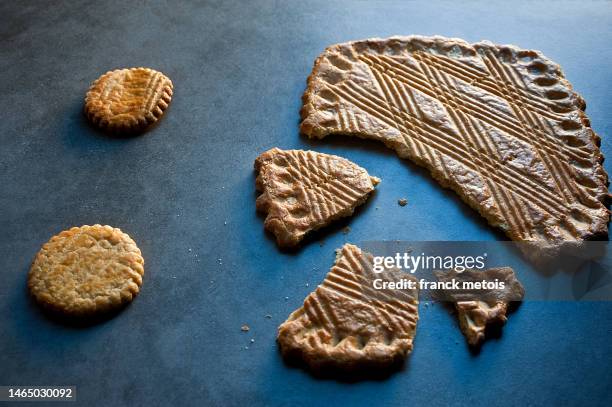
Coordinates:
(402,202)
(346,230)
(245,328)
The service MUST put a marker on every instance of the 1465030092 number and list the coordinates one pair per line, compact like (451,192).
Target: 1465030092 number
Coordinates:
(8,393)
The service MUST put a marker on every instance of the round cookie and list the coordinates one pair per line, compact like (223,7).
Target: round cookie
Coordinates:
(87,270)
(128,100)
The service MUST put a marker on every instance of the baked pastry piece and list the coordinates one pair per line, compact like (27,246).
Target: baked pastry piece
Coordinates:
(346,324)
(303,191)
(86,270)
(481,307)
(128,100)
(498,124)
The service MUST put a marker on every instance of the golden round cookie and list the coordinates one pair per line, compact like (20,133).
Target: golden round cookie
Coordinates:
(128,100)
(87,270)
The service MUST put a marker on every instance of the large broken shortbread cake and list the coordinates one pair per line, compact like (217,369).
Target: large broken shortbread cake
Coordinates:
(499,125)
(303,191)
(346,324)
(478,308)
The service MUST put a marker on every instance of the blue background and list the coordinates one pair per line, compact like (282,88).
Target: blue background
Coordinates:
(185,192)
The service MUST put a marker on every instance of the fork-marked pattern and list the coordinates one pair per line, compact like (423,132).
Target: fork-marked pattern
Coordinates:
(526,147)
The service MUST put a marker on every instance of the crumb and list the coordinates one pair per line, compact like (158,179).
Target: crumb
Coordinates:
(268,316)
(246,348)
(225,223)
(346,230)
(252,340)
(402,202)
(286,298)
(307,284)
(245,328)
(376,208)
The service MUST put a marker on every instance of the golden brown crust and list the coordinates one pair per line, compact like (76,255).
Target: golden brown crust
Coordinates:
(128,100)
(303,191)
(86,270)
(499,125)
(346,324)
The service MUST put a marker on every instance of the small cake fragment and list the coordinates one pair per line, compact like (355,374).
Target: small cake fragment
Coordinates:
(303,191)
(347,324)
(480,307)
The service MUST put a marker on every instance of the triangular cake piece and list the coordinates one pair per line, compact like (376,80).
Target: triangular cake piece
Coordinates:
(303,191)
(477,308)
(347,324)
(499,125)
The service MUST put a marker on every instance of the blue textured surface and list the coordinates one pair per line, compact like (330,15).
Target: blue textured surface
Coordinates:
(239,70)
